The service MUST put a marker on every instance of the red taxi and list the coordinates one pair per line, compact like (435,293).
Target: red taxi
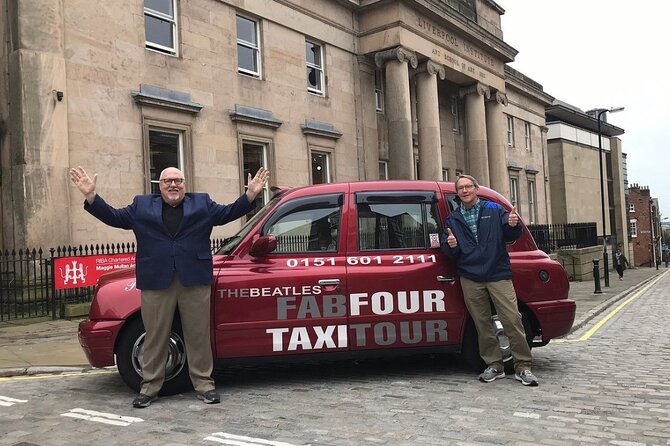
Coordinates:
(345,267)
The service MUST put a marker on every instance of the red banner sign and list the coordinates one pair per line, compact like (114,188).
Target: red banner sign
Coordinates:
(75,272)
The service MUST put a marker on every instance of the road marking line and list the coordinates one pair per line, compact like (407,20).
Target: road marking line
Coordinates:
(611,314)
(241,440)
(6,401)
(101,417)
(58,375)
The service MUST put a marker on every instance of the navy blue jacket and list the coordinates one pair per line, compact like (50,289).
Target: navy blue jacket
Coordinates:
(160,254)
(484,259)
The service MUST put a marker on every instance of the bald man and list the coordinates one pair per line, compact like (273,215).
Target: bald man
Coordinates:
(173,268)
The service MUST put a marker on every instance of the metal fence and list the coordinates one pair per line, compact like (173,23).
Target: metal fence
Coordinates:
(27,287)
(550,238)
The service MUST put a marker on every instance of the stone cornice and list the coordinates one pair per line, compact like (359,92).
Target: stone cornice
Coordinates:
(398,53)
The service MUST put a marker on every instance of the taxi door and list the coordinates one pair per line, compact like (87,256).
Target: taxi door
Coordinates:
(403,292)
(291,300)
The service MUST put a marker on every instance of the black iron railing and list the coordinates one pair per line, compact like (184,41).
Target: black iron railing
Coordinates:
(27,285)
(550,238)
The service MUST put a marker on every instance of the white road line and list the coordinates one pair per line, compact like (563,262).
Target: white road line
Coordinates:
(101,417)
(241,440)
(6,401)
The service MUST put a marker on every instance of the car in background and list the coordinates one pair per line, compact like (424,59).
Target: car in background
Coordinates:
(336,268)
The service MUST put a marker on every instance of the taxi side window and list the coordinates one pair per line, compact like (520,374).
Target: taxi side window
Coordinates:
(306,225)
(396,220)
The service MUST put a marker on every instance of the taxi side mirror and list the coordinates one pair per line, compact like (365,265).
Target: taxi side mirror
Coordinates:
(262,246)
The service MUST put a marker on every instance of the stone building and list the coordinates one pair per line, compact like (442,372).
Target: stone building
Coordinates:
(578,164)
(643,225)
(316,90)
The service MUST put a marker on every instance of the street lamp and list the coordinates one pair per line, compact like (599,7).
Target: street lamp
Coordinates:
(602,189)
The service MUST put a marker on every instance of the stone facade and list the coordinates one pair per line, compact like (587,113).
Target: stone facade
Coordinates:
(399,89)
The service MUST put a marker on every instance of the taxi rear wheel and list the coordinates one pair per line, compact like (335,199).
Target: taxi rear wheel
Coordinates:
(130,352)
(470,347)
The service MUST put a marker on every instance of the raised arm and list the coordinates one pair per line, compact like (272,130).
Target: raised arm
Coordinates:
(84,183)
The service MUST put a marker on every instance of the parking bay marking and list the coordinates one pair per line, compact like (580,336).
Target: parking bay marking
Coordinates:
(241,440)
(7,401)
(101,417)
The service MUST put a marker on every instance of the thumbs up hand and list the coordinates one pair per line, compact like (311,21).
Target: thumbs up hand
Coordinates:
(451,239)
(513,219)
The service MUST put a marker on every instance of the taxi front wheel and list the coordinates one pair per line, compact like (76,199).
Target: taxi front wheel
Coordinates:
(130,352)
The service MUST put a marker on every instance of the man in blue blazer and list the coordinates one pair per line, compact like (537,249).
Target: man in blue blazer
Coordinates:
(173,268)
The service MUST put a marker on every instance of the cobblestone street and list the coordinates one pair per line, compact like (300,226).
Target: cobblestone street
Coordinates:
(604,385)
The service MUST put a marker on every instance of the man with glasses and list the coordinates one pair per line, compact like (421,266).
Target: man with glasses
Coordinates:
(173,268)
(475,236)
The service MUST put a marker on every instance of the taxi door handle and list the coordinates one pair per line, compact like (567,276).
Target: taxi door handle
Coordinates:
(329,282)
(446,278)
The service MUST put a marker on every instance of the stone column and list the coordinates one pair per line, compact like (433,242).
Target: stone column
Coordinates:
(428,117)
(398,111)
(475,127)
(497,144)
(35,184)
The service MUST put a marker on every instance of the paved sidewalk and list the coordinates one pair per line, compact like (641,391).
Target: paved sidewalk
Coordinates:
(37,346)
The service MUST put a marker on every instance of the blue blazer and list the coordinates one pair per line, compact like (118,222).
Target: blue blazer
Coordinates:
(159,254)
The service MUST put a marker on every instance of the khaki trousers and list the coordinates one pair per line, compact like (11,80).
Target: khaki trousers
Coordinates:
(477,295)
(158,309)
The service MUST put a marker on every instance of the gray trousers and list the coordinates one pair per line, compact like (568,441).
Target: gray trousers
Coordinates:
(476,295)
(158,309)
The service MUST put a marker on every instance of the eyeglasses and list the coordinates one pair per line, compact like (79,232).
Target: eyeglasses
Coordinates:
(465,187)
(176,181)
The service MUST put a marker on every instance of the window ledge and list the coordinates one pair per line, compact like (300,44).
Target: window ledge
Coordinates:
(254,116)
(320,129)
(162,97)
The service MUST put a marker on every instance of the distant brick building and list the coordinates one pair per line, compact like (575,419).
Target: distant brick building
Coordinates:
(640,210)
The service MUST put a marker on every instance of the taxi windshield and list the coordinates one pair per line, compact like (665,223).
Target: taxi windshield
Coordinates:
(230,243)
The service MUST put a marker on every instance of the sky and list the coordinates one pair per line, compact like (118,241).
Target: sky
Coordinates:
(603,54)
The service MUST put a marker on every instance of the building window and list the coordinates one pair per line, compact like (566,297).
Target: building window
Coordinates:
(526,136)
(320,168)
(416,168)
(532,206)
(166,149)
(314,57)
(160,25)
(379,91)
(248,47)
(631,207)
(445,174)
(254,156)
(456,127)
(510,131)
(383,170)
(514,191)
(632,227)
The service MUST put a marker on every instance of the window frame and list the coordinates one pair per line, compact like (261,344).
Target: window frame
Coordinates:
(528,136)
(510,131)
(256,48)
(514,191)
(455,113)
(172,51)
(532,201)
(266,147)
(379,91)
(328,156)
(321,70)
(631,207)
(383,166)
(632,227)
(185,149)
